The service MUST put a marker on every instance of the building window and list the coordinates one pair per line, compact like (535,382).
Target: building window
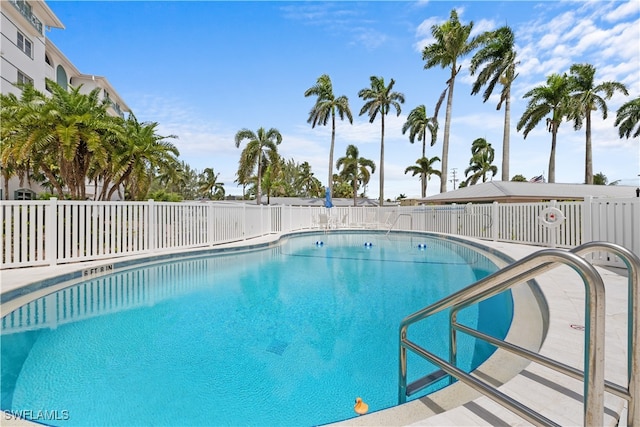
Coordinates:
(25,45)
(24,79)
(61,77)
(24,194)
(47,60)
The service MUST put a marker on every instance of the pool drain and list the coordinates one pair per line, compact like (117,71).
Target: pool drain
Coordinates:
(277,347)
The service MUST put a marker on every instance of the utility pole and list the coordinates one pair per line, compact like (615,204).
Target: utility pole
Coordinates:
(454,179)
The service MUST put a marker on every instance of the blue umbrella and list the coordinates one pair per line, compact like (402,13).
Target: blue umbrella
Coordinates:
(327,199)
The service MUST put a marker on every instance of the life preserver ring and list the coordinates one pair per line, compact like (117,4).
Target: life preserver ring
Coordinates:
(551,217)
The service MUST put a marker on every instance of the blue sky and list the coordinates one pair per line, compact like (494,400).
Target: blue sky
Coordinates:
(204,70)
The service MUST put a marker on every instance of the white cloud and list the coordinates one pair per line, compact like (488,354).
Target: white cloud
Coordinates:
(423,32)
(548,41)
(481,26)
(624,9)
(368,37)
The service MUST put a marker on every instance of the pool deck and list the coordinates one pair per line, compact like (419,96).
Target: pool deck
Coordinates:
(555,395)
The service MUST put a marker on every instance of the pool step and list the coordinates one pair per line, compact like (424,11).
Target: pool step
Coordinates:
(425,381)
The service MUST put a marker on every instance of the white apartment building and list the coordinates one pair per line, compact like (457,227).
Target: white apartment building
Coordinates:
(28,56)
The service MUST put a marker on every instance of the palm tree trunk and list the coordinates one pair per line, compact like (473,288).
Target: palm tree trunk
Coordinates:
(552,156)
(382,160)
(52,179)
(588,162)
(118,183)
(6,184)
(259,184)
(355,191)
(506,135)
(447,126)
(333,139)
(423,175)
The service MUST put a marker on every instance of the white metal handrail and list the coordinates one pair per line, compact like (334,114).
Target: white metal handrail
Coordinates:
(523,270)
(628,392)
(396,221)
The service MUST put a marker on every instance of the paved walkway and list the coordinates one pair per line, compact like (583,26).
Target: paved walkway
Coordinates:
(558,332)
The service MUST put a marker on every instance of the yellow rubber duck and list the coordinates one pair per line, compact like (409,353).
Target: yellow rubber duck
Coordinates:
(360,407)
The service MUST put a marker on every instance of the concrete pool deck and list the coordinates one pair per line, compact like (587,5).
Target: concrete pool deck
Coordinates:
(556,396)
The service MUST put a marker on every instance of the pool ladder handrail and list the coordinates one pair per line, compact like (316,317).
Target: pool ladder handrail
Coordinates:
(395,221)
(519,272)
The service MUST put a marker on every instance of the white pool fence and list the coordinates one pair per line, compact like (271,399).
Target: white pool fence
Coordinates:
(51,232)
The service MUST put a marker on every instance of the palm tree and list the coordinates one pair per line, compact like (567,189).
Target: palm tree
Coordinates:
(136,157)
(452,42)
(210,186)
(260,145)
(355,169)
(270,181)
(379,99)
(417,124)
(424,167)
(10,129)
(628,118)
(586,98)
(326,107)
(180,179)
(482,156)
(310,185)
(550,99)
(498,57)
(600,179)
(69,129)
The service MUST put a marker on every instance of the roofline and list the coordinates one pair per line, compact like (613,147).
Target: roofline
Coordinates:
(51,45)
(112,91)
(50,19)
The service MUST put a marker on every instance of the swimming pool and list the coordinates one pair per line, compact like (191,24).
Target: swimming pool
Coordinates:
(285,335)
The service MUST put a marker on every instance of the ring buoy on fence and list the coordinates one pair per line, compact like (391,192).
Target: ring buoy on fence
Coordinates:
(551,217)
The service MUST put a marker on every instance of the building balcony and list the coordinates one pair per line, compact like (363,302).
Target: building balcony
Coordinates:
(25,9)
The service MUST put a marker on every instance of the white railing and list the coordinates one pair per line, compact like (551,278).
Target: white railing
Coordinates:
(60,231)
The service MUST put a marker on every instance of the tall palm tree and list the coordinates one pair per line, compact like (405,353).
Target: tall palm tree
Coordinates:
(379,99)
(628,119)
(260,144)
(326,106)
(550,99)
(424,167)
(497,56)
(451,43)
(585,95)
(355,169)
(418,124)
(481,163)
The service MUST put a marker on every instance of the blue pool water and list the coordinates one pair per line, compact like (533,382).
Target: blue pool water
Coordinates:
(288,335)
